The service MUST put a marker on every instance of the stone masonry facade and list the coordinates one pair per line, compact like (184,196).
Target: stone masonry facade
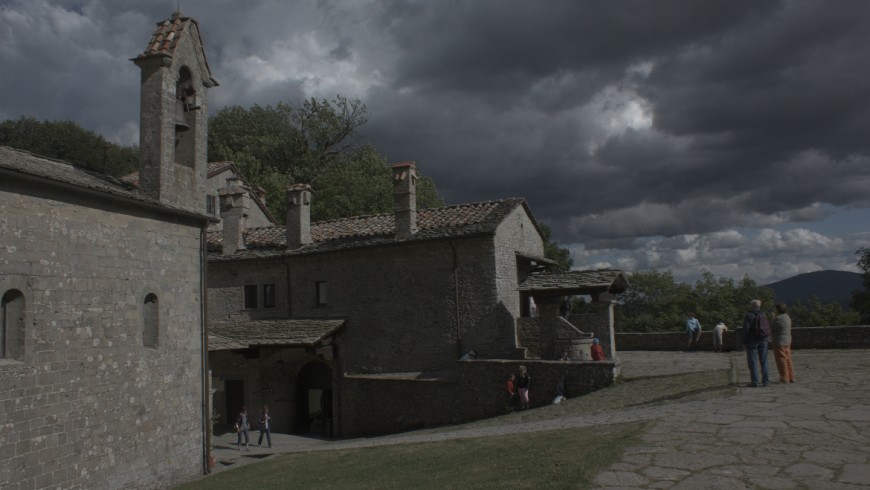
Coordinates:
(88,405)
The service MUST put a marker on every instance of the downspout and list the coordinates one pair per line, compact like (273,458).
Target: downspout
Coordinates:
(287,277)
(456,299)
(206,395)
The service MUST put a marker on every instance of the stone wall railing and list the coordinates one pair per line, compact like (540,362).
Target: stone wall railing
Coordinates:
(835,337)
(475,391)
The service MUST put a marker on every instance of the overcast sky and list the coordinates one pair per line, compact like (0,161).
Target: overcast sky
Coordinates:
(727,135)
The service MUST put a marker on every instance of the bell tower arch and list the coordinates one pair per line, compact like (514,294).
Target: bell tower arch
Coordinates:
(173,122)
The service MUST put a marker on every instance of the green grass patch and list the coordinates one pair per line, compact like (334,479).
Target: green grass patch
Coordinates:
(566,458)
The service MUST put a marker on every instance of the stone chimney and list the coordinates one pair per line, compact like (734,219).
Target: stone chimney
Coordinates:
(405,199)
(298,215)
(235,204)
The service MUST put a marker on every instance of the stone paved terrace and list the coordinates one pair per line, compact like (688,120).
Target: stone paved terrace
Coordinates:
(811,434)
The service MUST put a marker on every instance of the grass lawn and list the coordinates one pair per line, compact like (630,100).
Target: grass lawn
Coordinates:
(556,459)
(567,458)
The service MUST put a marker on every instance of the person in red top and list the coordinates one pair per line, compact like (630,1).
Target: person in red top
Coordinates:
(511,391)
(597,351)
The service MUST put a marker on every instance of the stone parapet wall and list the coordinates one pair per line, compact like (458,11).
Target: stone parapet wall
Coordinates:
(835,337)
(475,391)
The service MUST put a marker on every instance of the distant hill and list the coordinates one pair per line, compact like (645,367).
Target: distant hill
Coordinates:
(828,286)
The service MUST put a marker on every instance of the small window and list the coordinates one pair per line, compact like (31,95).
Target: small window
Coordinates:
(251,296)
(268,296)
(150,321)
(211,204)
(12,325)
(321,293)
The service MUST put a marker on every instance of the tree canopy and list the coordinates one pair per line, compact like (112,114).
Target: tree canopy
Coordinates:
(861,298)
(655,302)
(67,141)
(313,143)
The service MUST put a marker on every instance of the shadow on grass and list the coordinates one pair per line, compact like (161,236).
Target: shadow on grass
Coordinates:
(567,458)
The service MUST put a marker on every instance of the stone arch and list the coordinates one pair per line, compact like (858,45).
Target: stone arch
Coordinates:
(314,399)
(12,309)
(185,120)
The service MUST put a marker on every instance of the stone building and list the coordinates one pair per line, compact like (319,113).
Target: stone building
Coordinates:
(356,326)
(102,366)
(223,175)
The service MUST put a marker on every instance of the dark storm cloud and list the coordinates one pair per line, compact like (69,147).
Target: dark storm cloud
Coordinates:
(621,122)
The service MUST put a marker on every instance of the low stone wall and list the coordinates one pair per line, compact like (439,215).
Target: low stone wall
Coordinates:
(838,337)
(476,390)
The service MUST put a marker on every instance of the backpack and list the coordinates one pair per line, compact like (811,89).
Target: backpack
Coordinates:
(759,327)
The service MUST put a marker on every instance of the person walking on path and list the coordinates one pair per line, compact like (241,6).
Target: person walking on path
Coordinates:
(718,331)
(756,348)
(780,339)
(523,382)
(693,330)
(242,427)
(265,426)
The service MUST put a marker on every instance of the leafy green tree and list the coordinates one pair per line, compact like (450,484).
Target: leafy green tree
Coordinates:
(67,141)
(817,314)
(861,298)
(311,143)
(653,302)
(553,251)
(656,302)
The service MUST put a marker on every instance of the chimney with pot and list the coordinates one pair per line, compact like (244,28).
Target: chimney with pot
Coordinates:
(235,204)
(405,199)
(298,215)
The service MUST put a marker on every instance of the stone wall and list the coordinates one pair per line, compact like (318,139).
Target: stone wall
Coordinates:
(837,337)
(475,390)
(88,405)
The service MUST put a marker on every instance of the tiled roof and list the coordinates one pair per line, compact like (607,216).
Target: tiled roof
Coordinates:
(169,33)
(27,163)
(62,173)
(213,169)
(358,231)
(283,332)
(576,282)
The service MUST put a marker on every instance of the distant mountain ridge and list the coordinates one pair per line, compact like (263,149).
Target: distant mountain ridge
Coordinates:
(828,286)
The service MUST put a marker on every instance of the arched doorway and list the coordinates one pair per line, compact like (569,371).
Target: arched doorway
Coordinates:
(314,399)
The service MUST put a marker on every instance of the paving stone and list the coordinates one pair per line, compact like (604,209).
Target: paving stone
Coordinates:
(807,470)
(692,461)
(856,473)
(659,473)
(858,413)
(833,457)
(774,483)
(620,478)
(710,482)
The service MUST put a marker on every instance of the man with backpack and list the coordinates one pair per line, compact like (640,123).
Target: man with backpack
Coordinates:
(756,334)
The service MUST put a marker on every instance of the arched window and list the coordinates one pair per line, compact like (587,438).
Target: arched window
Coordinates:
(12,325)
(150,321)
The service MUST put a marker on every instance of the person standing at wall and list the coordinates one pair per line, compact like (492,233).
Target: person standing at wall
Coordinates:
(511,392)
(718,331)
(523,382)
(756,347)
(597,351)
(265,426)
(780,339)
(242,427)
(693,330)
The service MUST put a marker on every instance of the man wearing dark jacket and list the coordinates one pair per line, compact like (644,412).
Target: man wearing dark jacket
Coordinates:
(756,348)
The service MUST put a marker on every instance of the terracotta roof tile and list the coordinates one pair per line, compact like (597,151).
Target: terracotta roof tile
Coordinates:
(445,222)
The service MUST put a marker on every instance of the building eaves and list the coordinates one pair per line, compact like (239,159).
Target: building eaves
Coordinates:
(576,282)
(279,332)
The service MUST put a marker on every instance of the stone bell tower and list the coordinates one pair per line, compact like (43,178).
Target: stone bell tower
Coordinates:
(173,124)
